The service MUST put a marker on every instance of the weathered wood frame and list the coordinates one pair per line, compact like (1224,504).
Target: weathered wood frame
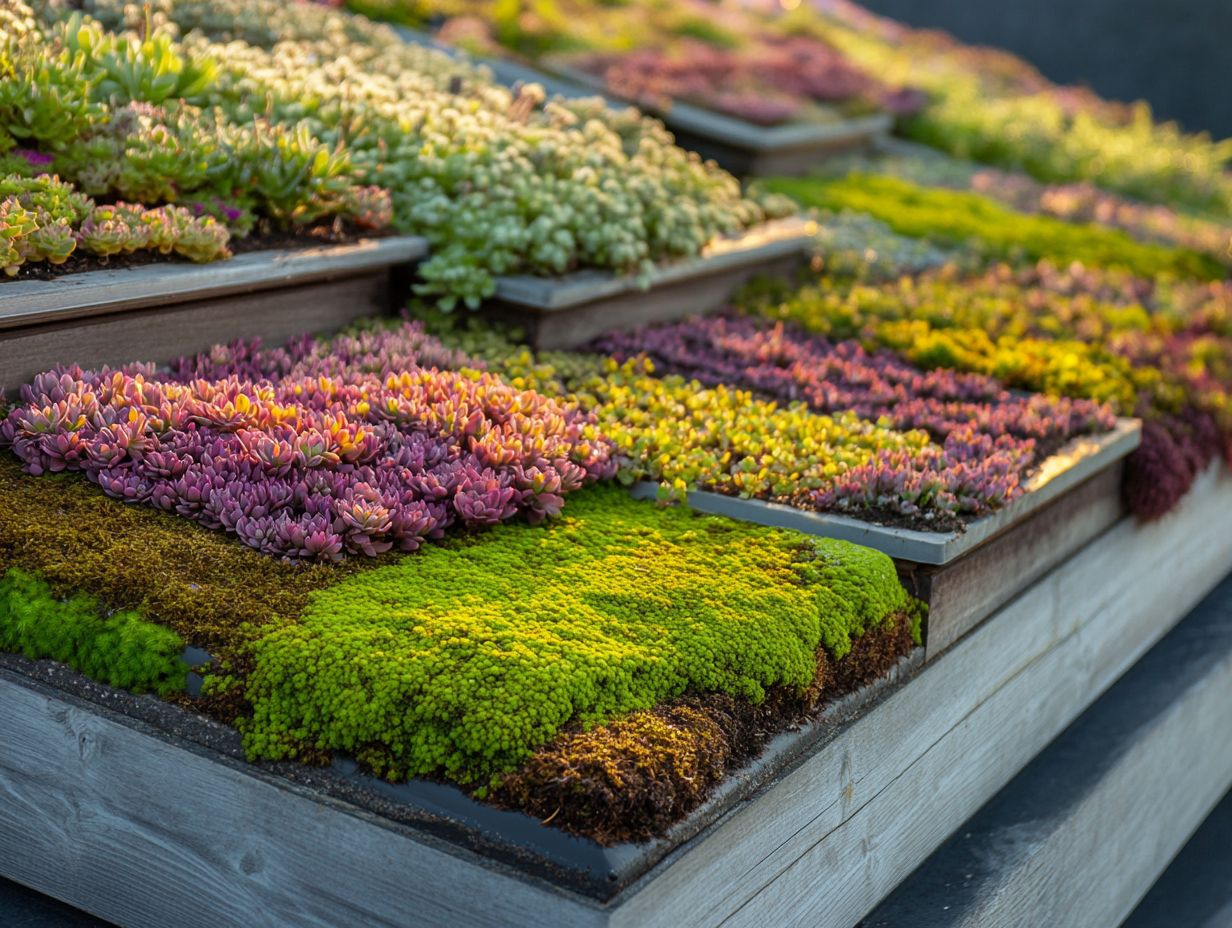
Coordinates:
(569,311)
(158,311)
(143,829)
(743,148)
(1150,758)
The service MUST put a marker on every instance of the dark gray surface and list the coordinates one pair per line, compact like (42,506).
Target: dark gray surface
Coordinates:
(952,884)
(24,908)
(1196,890)
(1172,53)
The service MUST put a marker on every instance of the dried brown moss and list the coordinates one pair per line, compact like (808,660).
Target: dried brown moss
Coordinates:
(631,779)
(203,584)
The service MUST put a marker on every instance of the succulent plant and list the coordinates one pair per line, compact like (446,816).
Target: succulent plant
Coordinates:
(994,108)
(1159,350)
(16,224)
(352,446)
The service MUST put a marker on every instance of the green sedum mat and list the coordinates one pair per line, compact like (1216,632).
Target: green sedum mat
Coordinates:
(121,649)
(461,660)
(960,217)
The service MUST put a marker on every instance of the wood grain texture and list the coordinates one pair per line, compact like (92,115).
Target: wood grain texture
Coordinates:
(1078,837)
(962,594)
(1196,889)
(837,834)
(162,334)
(99,812)
(95,293)
(664,302)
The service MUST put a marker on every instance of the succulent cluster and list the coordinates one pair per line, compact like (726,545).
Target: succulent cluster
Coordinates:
(45,219)
(994,108)
(965,218)
(1159,351)
(130,116)
(985,439)
(309,105)
(331,458)
(462,661)
(774,80)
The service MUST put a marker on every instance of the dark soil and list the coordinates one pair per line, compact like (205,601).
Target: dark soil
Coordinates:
(80,262)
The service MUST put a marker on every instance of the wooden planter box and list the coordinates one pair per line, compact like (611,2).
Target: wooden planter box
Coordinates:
(159,311)
(743,148)
(964,576)
(569,311)
(122,815)
(1151,757)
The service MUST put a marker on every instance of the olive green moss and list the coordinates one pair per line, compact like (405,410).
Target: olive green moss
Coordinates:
(203,584)
(120,649)
(462,660)
(977,221)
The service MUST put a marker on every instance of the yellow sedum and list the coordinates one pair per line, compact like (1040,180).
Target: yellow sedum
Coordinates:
(685,435)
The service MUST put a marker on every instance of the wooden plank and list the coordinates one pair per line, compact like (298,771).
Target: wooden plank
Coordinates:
(833,837)
(1081,833)
(962,594)
(183,328)
(1196,889)
(107,815)
(566,312)
(1073,464)
(780,238)
(94,293)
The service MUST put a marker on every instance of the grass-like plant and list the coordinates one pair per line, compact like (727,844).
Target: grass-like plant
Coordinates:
(982,224)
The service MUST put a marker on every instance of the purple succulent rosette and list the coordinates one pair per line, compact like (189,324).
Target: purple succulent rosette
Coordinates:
(987,438)
(303,453)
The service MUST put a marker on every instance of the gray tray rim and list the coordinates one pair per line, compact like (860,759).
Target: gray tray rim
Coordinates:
(1078,460)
